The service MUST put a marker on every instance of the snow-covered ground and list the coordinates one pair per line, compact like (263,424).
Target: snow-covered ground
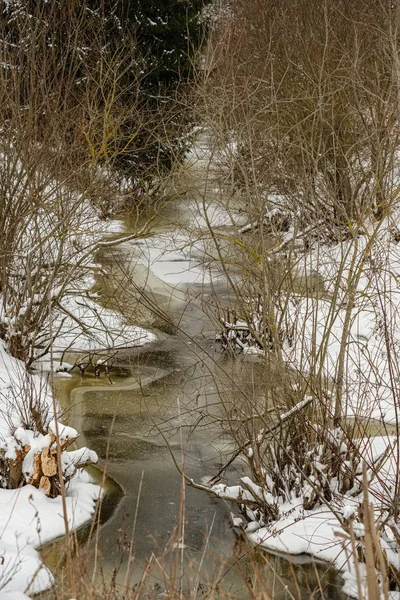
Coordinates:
(172,259)
(366,272)
(179,256)
(320,532)
(27,517)
(361,284)
(84,325)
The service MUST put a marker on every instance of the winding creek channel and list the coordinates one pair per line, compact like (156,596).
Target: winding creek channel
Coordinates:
(166,284)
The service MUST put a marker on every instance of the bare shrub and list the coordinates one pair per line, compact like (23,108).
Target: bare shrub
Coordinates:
(301,102)
(306,96)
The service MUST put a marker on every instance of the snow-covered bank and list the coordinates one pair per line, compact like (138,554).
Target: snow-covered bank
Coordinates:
(28,518)
(337,310)
(85,326)
(323,532)
(361,280)
(351,323)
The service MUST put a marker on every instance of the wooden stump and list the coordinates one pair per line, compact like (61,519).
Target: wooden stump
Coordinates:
(45,473)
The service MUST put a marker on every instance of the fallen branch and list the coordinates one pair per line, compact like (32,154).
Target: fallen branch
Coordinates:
(282,419)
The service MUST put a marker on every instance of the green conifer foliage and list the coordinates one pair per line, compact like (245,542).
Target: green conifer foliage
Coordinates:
(151,44)
(169,32)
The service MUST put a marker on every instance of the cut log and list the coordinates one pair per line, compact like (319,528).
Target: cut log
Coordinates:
(15,477)
(45,484)
(49,463)
(37,470)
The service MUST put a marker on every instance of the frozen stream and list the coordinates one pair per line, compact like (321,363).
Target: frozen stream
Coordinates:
(173,384)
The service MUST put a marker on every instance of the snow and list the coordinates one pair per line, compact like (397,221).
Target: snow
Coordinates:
(171,259)
(319,532)
(114,226)
(296,408)
(203,215)
(83,325)
(28,519)
(253,350)
(17,384)
(72,459)
(14,595)
(237,521)
(232,492)
(373,344)
(64,432)
(59,368)
(62,375)
(348,511)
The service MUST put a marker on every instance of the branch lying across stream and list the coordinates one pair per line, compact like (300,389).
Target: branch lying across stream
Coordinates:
(282,419)
(243,497)
(240,499)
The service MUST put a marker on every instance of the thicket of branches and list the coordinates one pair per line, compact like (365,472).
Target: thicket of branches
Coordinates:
(308,93)
(301,99)
(86,133)
(114,71)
